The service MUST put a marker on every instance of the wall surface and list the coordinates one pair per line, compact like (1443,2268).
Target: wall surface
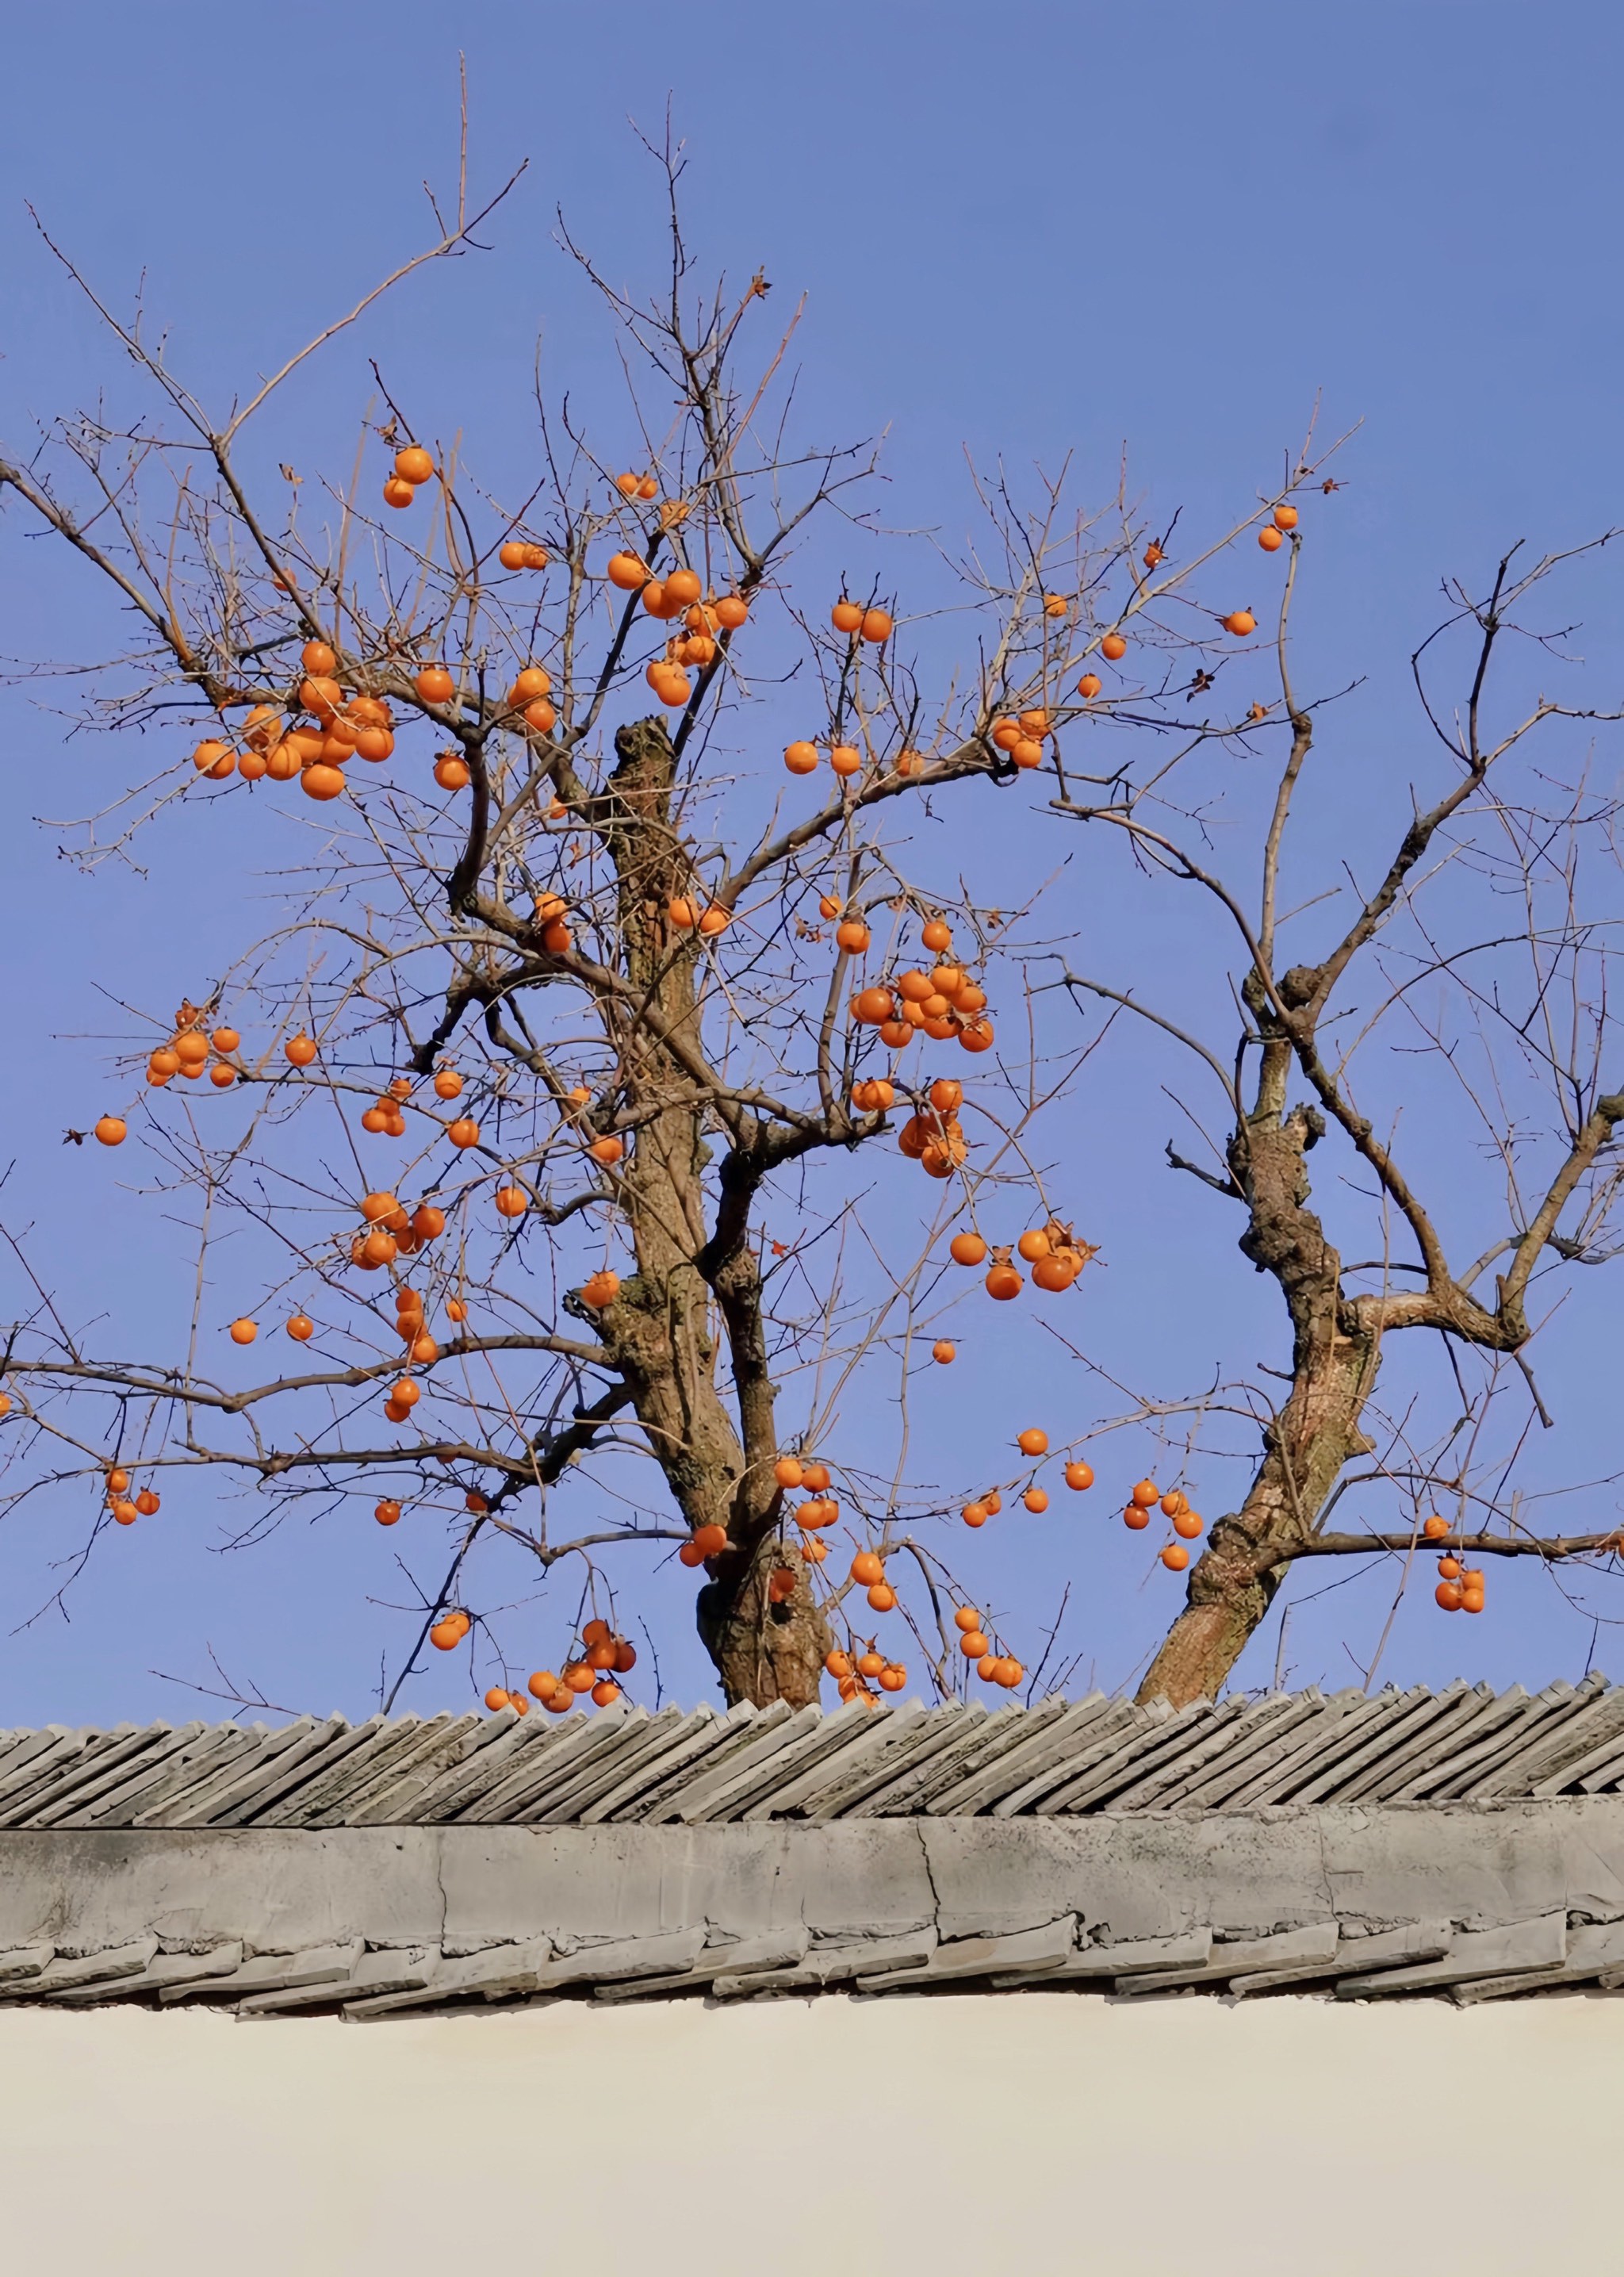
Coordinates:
(279,1888)
(978,2132)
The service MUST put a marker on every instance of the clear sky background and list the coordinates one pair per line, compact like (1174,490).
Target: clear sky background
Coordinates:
(1029,230)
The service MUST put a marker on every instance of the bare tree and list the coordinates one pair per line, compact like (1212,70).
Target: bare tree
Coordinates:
(614,998)
(1534,999)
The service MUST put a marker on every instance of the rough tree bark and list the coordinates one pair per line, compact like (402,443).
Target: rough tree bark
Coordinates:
(659,1331)
(1335,1354)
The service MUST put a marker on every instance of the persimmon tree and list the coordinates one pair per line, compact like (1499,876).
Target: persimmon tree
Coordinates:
(571,985)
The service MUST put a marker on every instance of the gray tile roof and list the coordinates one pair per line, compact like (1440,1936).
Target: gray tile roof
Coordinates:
(630,1766)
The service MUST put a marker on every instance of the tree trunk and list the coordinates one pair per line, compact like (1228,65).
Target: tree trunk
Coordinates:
(658,1331)
(1334,1359)
(1234,1584)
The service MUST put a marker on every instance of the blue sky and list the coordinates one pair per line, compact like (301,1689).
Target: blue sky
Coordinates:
(1038,231)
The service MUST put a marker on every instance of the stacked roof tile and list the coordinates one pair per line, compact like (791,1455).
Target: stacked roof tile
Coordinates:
(637,1766)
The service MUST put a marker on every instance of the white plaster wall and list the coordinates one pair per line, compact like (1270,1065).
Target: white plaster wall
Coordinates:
(1044,2132)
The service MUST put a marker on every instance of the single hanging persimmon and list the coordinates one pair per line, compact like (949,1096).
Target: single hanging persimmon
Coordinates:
(1135,1519)
(301,1328)
(876,626)
(387,1513)
(852,936)
(1270,539)
(147,1502)
(1285,517)
(846,616)
(397,492)
(732,610)
(975,1513)
(626,571)
(800,758)
(1188,1524)
(1088,686)
(511,1201)
(1114,647)
(1003,1283)
(448,1083)
(967,1249)
(1175,1556)
(944,1353)
(1033,1441)
(607,1150)
(601,1289)
(1239,622)
(110,1131)
(414,465)
(451,771)
(117,1480)
(1146,1494)
(244,1331)
(319,661)
(1036,1499)
(1079,1476)
(462,1132)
